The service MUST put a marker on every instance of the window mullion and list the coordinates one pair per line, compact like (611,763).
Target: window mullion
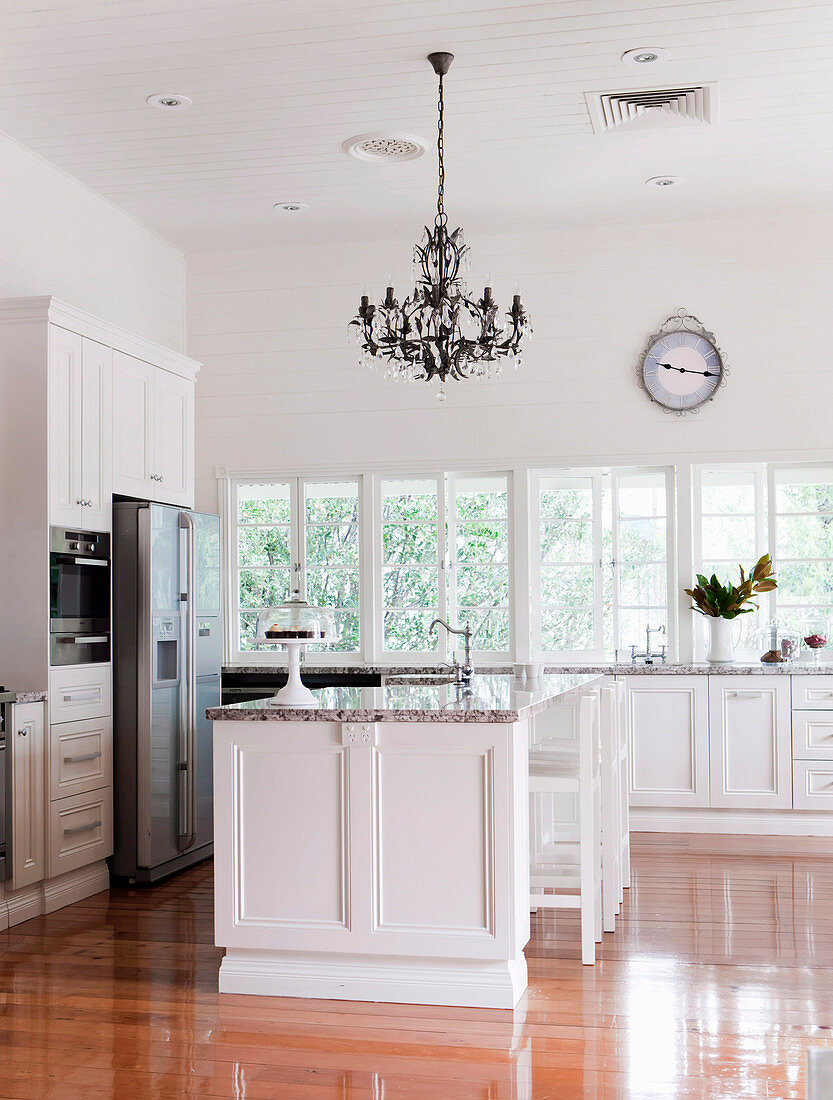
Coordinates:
(598,566)
(445,539)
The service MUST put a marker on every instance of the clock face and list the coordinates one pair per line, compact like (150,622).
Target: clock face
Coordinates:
(682,370)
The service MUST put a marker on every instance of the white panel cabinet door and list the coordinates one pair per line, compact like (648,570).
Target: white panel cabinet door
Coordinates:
(80,462)
(751,759)
(65,496)
(96,435)
(25,740)
(668,733)
(134,394)
(173,435)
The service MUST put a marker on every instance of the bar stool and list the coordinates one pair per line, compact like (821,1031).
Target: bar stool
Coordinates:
(575,879)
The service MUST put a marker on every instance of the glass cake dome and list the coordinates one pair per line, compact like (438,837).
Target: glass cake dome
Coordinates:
(296,621)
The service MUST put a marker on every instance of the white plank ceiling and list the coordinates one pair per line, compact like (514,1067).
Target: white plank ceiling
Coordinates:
(278,85)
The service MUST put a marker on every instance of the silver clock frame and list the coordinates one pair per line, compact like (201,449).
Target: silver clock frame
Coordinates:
(681,321)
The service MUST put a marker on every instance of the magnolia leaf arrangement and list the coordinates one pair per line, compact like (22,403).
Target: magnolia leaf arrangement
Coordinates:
(718,601)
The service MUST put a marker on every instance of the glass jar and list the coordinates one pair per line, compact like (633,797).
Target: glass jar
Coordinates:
(815,630)
(296,621)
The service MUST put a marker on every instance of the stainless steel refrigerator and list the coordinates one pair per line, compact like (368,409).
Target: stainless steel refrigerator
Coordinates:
(167,653)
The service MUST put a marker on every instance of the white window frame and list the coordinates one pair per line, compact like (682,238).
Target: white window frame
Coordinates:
(763,528)
(602,479)
(297,527)
(772,469)
(617,475)
(571,656)
(408,657)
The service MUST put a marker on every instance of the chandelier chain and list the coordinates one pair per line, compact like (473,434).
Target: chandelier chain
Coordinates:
(442,217)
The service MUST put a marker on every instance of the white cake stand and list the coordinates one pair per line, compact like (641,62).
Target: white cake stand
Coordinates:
(294,693)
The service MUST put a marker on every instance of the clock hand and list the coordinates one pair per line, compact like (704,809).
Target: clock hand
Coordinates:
(686,370)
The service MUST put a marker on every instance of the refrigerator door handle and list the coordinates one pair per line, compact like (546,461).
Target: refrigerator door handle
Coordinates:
(188,696)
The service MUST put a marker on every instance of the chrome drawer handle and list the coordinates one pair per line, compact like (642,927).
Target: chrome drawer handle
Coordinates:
(81,696)
(81,759)
(745,694)
(82,828)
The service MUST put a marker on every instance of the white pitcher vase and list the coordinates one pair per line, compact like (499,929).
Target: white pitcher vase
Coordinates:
(721,651)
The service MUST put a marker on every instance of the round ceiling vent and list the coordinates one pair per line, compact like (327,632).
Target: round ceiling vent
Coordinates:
(385,147)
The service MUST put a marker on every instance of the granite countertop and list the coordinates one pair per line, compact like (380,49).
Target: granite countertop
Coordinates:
(799,668)
(24,697)
(493,698)
(623,668)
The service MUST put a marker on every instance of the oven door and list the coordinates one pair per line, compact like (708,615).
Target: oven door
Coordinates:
(79,595)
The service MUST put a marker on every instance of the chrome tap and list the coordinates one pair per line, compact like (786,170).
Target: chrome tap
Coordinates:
(462,672)
(649,655)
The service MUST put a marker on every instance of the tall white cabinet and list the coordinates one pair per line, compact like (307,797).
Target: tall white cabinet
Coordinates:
(87,411)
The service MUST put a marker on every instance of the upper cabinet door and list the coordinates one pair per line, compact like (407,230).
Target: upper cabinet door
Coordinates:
(750,742)
(65,495)
(173,462)
(133,435)
(96,435)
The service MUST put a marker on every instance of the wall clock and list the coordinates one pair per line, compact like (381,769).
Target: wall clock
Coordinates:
(682,367)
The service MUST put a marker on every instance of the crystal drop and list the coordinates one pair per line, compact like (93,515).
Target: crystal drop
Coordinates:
(441,394)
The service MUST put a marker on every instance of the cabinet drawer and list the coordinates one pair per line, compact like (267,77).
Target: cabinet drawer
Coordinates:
(812,785)
(80,830)
(812,735)
(80,757)
(812,692)
(79,693)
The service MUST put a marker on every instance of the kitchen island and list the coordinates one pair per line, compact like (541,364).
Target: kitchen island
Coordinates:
(376,847)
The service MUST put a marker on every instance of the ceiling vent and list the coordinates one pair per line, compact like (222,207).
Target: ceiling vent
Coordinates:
(385,147)
(653,108)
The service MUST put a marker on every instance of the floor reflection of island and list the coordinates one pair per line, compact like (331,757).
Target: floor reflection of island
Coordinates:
(376,847)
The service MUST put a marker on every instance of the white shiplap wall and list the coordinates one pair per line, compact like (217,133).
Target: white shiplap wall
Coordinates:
(59,237)
(281,386)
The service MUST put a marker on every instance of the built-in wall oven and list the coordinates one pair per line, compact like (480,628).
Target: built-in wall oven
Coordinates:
(79,597)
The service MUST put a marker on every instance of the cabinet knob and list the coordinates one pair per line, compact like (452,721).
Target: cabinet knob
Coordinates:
(22,733)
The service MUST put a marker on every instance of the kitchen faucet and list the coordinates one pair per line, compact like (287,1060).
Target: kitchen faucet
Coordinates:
(462,673)
(649,654)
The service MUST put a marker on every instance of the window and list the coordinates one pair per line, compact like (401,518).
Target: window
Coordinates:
(479,574)
(330,573)
(732,531)
(641,543)
(302,538)
(444,552)
(604,544)
(569,550)
(801,504)
(412,593)
(265,553)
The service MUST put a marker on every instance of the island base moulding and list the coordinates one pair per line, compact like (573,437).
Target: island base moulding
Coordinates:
(472,983)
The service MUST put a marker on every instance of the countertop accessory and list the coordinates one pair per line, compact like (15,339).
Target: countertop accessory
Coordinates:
(295,625)
(465,671)
(440,331)
(649,655)
(720,604)
(681,366)
(815,630)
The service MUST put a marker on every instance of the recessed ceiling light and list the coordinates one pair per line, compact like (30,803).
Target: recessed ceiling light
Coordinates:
(645,55)
(385,146)
(169,101)
(291,207)
(663,181)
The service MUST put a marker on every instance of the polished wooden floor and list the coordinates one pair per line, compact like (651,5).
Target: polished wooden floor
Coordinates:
(717,980)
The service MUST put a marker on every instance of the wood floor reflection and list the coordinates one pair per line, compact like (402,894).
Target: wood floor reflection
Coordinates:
(715,983)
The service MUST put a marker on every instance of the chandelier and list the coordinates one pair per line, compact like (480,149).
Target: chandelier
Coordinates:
(440,331)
